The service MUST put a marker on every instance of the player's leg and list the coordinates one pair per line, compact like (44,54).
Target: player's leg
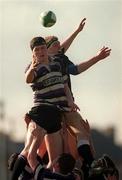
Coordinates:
(21,161)
(42,149)
(64,133)
(72,142)
(73,120)
(38,134)
(42,152)
(51,121)
(54,146)
(53,138)
(69,140)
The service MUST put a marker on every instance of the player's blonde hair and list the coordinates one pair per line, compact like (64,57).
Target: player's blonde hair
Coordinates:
(50,40)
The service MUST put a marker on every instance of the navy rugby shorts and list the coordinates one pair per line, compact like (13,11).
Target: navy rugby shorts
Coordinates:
(47,117)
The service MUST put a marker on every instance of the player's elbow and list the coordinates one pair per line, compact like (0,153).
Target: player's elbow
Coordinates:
(28,80)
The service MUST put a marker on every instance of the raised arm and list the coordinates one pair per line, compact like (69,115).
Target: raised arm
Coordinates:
(66,44)
(102,54)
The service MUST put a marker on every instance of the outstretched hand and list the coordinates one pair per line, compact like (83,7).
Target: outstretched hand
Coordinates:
(103,53)
(81,25)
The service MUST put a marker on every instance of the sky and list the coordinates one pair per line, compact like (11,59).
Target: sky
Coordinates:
(98,91)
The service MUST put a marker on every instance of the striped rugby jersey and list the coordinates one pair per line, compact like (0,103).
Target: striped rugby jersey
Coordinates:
(70,67)
(48,85)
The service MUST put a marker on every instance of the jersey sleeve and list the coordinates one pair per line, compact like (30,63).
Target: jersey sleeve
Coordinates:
(70,66)
(72,69)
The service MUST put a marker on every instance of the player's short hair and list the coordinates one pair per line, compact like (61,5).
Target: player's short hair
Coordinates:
(37,41)
(66,163)
(50,40)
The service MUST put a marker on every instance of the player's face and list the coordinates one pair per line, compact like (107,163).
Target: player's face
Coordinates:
(40,53)
(54,48)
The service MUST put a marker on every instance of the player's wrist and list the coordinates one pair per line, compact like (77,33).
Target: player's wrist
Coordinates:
(78,30)
(96,58)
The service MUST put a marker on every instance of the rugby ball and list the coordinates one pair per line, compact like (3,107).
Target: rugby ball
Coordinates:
(48,18)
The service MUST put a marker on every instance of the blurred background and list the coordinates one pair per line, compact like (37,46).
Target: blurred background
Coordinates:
(98,91)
